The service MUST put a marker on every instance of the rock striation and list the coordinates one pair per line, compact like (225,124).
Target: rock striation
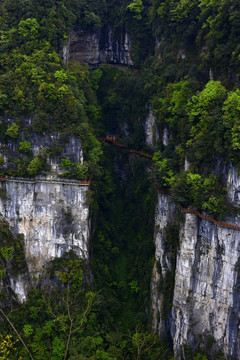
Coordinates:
(96,47)
(49,210)
(164,217)
(206,298)
(206,294)
(51,214)
(151,130)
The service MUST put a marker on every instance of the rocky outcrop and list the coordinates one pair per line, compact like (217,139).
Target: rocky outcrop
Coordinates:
(163,266)
(49,210)
(51,214)
(151,130)
(206,299)
(19,286)
(96,47)
(233,185)
(206,295)
(54,146)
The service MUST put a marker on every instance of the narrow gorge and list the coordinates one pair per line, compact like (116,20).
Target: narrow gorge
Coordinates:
(119,180)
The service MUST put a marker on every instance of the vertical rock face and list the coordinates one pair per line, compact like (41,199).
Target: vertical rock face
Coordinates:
(51,214)
(151,130)
(164,217)
(233,185)
(206,294)
(50,211)
(206,300)
(19,286)
(99,46)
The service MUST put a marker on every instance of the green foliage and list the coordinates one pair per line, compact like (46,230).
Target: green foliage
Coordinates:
(35,166)
(28,28)
(231,113)
(66,163)
(7,346)
(7,252)
(200,357)
(61,75)
(71,271)
(164,172)
(95,78)
(80,171)
(136,7)
(134,286)
(24,146)
(12,130)
(204,194)
(28,330)
(12,256)
(58,349)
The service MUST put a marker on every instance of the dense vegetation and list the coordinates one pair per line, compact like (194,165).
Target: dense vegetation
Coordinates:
(186,66)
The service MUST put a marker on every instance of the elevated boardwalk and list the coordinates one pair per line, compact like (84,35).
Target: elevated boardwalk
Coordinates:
(205,217)
(47,180)
(126,148)
(168,192)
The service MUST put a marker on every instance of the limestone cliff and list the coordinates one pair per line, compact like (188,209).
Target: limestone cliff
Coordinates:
(151,130)
(206,299)
(51,214)
(96,47)
(50,210)
(164,217)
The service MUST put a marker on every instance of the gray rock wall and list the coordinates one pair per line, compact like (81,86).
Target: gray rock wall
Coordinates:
(164,216)
(97,47)
(51,214)
(151,130)
(206,298)
(206,294)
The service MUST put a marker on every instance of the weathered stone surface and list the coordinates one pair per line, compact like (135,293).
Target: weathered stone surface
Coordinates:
(52,216)
(151,130)
(206,295)
(164,215)
(70,148)
(20,286)
(233,185)
(98,46)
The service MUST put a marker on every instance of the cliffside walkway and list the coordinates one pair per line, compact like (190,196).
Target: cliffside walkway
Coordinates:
(188,211)
(205,217)
(48,180)
(126,148)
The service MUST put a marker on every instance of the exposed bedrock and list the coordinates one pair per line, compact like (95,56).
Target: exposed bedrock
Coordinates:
(96,47)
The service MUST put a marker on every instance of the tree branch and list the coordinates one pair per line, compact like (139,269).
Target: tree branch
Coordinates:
(17,333)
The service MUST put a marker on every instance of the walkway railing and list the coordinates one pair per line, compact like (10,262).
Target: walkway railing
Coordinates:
(126,148)
(205,217)
(164,191)
(46,180)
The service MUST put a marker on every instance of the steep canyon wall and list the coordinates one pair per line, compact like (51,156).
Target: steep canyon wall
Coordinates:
(96,47)
(206,298)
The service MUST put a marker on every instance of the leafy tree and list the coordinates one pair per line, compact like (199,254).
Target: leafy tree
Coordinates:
(6,346)
(24,146)
(136,7)
(12,130)
(95,78)
(35,165)
(231,114)
(66,163)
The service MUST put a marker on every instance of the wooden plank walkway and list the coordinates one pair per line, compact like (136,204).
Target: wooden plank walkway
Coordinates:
(164,191)
(126,148)
(205,217)
(46,180)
